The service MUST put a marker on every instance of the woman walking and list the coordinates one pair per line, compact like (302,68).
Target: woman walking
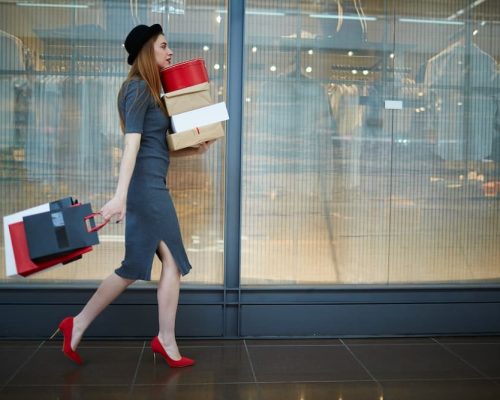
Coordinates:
(142,196)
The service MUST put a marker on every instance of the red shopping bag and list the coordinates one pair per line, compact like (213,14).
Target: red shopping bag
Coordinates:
(24,265)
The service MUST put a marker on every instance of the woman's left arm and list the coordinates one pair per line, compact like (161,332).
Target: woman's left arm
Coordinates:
(192,151)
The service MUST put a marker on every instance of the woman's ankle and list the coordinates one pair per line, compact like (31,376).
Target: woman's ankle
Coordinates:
(78,331)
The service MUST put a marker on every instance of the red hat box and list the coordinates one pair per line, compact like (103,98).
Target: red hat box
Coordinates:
(184,74)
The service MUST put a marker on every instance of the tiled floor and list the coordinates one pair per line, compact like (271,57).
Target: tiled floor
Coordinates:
(333,369)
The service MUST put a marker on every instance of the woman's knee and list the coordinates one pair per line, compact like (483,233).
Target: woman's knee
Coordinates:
(124,281)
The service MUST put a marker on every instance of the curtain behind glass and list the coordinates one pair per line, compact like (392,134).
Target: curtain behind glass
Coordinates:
(342,187)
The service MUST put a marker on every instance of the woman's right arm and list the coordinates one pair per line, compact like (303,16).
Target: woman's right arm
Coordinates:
(117,205)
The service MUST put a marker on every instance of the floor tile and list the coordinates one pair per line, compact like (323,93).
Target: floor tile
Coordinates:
(213,365)
(387,341)
(65,392)
(412,362)
(293,342)
(405,368)
(469,339)
(12,359)
(305,363)
(209,343)
(441,390)
(171,391)
(320,391)
(106,366)
(485,357)
(100,343)
(20,343)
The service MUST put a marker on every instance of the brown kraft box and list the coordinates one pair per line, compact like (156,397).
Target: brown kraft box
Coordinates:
(193,137)
(188,99)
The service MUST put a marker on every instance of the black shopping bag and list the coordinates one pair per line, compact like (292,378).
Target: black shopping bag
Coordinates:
(60,231)
(11,267)
(65,202)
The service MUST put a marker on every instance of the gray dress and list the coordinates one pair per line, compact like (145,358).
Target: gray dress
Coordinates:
(151,216)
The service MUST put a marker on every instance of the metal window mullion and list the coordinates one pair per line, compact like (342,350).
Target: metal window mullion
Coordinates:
(232,220)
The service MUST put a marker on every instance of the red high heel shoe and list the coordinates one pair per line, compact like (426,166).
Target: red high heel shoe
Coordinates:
(66,327)
(158,348)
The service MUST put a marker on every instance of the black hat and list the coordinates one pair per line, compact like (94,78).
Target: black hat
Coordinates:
(138,37)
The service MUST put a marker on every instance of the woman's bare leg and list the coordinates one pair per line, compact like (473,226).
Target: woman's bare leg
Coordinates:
(168,298)
(109,289)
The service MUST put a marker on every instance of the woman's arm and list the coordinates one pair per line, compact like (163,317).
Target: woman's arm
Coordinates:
(192,151)
(117,205)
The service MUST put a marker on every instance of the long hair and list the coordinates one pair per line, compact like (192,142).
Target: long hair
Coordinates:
(144,67)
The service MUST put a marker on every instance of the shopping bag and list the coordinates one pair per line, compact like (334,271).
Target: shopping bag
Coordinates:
(24,265)
(10,263)
(58,232)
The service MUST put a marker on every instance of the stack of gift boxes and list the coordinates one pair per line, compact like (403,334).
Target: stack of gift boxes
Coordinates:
(194,117)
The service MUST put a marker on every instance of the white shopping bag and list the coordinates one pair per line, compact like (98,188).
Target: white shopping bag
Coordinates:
(10,262)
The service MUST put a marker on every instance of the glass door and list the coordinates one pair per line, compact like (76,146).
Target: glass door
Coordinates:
(317,143)
(444,208)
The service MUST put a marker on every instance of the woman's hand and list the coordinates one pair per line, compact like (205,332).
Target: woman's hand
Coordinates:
(116,206)
(204,146)
(192,151)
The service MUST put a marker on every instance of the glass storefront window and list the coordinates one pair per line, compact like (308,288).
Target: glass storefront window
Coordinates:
(371,142)
(61,66)
(371,134)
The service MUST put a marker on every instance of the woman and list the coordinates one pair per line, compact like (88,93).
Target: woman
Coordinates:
(141,195)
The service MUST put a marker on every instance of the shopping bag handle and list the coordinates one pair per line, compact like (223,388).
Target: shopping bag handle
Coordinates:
(97,227)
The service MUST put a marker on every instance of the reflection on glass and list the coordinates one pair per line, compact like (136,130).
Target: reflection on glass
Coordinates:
(60,71)
(371,143)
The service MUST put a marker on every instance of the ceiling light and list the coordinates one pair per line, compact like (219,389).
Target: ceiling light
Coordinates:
(53,5)
(431,21)
(463,10)
(333,16)
(268,13)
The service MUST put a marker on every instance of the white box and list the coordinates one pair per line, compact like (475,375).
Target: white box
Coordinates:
(199,117)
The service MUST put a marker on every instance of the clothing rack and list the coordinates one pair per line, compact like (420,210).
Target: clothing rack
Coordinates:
(337,67)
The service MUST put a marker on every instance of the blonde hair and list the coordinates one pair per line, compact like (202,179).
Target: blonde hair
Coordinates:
(144,67)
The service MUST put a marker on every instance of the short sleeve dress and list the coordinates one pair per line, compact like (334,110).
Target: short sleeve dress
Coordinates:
(150,215)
